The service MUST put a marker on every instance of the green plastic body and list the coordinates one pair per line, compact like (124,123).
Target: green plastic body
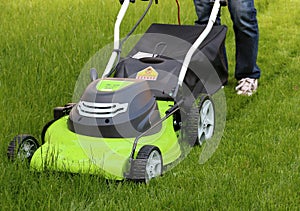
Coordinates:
(67,151)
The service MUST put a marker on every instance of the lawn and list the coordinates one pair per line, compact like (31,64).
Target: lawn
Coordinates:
(45,45)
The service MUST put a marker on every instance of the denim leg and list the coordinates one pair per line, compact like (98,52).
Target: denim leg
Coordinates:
(243,15)
(203,10)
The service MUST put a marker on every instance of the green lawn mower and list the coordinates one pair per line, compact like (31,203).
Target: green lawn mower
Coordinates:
(144,112)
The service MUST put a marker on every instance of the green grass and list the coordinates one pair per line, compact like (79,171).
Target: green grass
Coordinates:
(45,44)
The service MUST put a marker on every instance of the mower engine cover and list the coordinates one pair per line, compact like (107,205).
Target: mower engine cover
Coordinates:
(115,108)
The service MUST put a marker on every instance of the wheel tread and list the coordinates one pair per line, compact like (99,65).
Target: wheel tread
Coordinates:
(138,166)
(13,146)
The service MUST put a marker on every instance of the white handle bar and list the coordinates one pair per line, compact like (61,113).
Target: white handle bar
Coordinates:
(114,54)
(197,43)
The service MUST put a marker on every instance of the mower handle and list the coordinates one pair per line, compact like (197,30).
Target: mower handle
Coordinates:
(197,43)
(117,43)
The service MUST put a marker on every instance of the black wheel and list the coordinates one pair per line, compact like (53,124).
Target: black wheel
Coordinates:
(151,164)
(22,147)
(200,121)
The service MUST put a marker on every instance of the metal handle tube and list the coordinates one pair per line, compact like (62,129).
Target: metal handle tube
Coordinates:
(169,113)
(197,43)
(114,54)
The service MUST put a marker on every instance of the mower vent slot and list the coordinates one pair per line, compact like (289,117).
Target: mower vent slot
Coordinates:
(101,110)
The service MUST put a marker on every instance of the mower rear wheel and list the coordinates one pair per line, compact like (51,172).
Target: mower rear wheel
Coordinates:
(153,165)
(200,122)
(22,147)
(206,120)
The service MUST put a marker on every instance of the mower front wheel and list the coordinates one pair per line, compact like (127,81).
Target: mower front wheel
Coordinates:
(153,163)
(22,147)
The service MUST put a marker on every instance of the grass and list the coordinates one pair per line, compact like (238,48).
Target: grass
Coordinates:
(44,45)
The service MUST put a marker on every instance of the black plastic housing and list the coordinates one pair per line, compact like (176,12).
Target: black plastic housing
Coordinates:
(141,113)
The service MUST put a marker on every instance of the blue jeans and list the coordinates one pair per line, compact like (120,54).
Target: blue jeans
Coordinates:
(245,26)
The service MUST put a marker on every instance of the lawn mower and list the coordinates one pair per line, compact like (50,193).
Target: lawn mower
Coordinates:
(141,115)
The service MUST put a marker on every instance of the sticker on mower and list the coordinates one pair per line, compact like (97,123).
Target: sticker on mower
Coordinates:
(148,73)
